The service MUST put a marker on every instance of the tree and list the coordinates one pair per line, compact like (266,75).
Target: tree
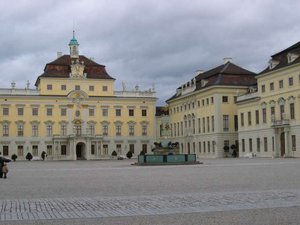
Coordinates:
(29,156)
(14,157)
(114,153)
(129,154)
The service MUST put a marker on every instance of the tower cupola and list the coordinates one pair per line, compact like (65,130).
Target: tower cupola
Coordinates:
(74,47)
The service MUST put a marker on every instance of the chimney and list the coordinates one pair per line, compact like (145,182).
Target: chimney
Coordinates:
(59,54)
(227,59)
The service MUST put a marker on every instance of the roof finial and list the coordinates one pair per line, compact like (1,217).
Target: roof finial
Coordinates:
(73,34)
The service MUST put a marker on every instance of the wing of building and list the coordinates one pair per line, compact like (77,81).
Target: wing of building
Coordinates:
(203,111)
(269,114)
(75,113)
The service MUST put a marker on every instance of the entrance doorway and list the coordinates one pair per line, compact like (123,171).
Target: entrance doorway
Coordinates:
(80,151)
(282,144)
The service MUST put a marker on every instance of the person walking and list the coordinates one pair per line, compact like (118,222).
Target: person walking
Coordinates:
(2,162)
(5,170)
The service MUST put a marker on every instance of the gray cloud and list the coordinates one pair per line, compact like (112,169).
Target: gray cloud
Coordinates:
(145,42)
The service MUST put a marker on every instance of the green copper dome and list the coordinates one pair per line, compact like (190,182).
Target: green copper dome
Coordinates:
(73,40)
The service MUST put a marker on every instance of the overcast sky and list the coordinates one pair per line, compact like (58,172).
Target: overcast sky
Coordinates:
(144,42)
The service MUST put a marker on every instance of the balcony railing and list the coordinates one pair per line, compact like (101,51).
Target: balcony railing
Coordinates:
(283,122)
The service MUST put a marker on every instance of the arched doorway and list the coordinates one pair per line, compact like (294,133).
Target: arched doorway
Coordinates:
(80,151)
(282,144)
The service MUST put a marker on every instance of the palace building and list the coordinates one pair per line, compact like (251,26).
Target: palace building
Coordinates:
(75,113)
(269,113)
(203,112)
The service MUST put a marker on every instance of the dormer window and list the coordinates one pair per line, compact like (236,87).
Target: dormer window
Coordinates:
(203,83)
(273,63)
(291,57)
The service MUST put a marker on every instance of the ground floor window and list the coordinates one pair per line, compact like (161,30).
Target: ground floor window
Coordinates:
(208,146)
(144,148)
(131,148)
(250,145)
(105,149)
(5,150)
(119,148)
(49,149)
(20,150)
(35,150)
(92,149)
(63,150)
(294,142)
(243,145)
(199,146)
(265,144)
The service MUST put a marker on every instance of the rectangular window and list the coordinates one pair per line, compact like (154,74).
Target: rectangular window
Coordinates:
(264,115)
(77,87)
(207,101)
(212,100)
(49,130)
(225,122)
(63,129)
(105,149)
(119,148)
(258,144)
(272,86)
(49,87)
(144,130)
(92,149)
(118,130)
(5,150)
(281,84)
(5,111)
(243,145)
(273,144)
(63,87)
(291,81)
(35,111)
(49,149)
(63,150)
(212,123)
(35,130)
(35,151)
(49,111)
(20,111)
(63,111)
(250,145)
(20,130)
(105,130)
(199,125)
(282,114)
(91,129)
(263,88)
(131,148)
(242,119)
(293,142)
(104,112)
(5,129)
(20,150)
(249,119)
(91,112)
(208,128)
(204,147)
(118,112)
(272,113)
(265,144)
(104,88)
(292,111)
(131,112)
(203,125)
(144,147)
(144,112)
(208,146)
(234,99)
(131,130)
(91,88)
(256,116)
(236,123)
(225,99)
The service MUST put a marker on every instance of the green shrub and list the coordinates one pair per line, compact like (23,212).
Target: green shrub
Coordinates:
(129,155)
(14,157)
(29,156)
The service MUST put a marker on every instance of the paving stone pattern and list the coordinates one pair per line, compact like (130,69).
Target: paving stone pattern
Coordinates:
(98,207)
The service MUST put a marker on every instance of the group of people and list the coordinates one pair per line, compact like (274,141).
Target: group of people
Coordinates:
(3,167)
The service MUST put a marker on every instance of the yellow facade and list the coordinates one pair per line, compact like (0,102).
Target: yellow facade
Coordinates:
(79,116)
(272,107)
(204,117)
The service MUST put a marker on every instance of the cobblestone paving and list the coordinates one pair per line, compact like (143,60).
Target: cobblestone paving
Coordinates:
(73,208)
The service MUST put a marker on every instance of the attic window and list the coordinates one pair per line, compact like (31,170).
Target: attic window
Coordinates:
(291,57)
(203,83)
(273,63)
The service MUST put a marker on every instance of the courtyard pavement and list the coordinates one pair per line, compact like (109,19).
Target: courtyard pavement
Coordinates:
(220,191)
